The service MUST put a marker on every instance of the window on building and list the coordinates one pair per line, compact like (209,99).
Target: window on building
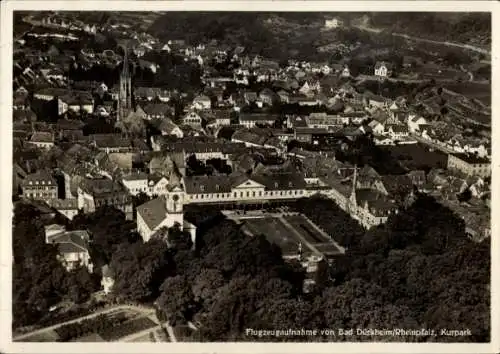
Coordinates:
(235,194)
(241,194)
(201,196)
(202,188)
(248,194)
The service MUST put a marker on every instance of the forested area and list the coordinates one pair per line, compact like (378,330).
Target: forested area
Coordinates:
(460,27)
(39,279)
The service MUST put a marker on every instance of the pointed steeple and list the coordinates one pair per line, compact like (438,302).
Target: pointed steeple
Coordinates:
(352,198)
(125,94)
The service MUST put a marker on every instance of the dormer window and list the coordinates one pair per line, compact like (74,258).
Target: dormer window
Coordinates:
(275,184)
(36,182)
(216,187)
(202,188)
(30,182)
(43,182)
(290,185)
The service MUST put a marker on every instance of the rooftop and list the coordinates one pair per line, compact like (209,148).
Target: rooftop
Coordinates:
(471,158)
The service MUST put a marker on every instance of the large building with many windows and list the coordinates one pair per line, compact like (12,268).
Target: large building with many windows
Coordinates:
(40,185)
(469,164)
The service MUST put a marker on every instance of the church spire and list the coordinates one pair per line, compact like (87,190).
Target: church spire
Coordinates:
(354,184)
(125,95)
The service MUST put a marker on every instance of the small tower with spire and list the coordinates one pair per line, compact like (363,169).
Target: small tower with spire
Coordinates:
(125,94)
(352,198)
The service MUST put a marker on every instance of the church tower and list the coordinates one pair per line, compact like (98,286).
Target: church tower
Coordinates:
(125,94)
(174,207)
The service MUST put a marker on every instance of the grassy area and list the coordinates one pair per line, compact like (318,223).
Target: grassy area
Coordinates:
(47,336)
(125,329)
(275,231)
(309,233)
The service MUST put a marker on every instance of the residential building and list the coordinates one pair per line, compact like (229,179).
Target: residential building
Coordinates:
(73,246)
(414,123)
(39,185)
(158,110)
(193,120)
(250,120)
(96,192)
(202,102)
(469,164)
(136,183)
(168,127)
(42,140)
(66,207)
(383,69)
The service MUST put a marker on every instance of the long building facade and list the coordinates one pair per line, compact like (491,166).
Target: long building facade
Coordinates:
(365,206)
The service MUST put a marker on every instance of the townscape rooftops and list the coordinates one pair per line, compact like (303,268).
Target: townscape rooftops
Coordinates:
(100,186)
(155,109)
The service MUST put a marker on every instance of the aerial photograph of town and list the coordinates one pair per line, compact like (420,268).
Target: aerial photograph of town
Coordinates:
(251,176)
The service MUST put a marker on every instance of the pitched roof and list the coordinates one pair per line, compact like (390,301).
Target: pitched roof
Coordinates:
(63,204)
(135,176)
(40,176)
(377,202)
(100,186)
(157,109)
(281,181)
(72,241)
(42,137)
(379,64)
(396,183)
(153,212)
(396,128)
(167,126)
